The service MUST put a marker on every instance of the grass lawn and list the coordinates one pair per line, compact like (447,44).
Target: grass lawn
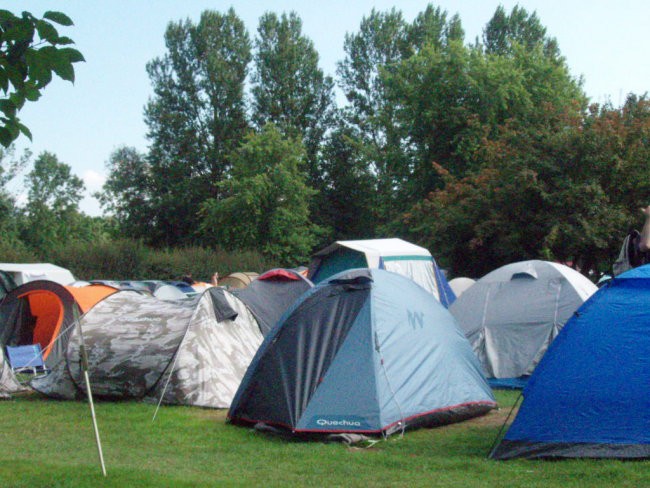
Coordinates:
(45,443)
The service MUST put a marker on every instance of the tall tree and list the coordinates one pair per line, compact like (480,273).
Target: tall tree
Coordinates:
(266,207)
(381,42)
(373,55)
(52,209)
(431,28)
(31,50)
(454,100)
(348,198)
(127,193)
(10,168)
(504,30)
(291,91)
(196,118)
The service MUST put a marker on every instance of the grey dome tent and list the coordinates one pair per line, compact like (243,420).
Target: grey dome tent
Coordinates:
(366,351)
(512,314)
(193,351)
(269,295)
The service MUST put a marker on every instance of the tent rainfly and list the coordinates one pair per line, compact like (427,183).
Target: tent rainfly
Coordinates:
(512,314)
(269,295)
(193,351)
(590,395)
(394,255)
(366,352)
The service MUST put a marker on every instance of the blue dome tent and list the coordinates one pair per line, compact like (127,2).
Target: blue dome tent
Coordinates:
(590,395)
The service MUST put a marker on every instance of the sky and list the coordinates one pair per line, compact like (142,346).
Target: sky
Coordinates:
(604,42)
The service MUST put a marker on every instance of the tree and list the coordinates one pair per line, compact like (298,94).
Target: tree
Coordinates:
(503,31)
(454,101)
(347,199)
(196,118)
(30,52)
(127,192)
(431,28)
(291,91)
(51,214)
(566,191)
(10,167)
(266,206)
(385,43)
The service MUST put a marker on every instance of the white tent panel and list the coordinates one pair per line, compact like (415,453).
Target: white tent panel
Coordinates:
(26,272)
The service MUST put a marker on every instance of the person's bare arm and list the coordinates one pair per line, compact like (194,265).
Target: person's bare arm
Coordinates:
(644,239)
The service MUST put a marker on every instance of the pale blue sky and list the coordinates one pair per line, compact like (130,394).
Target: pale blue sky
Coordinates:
(605,42)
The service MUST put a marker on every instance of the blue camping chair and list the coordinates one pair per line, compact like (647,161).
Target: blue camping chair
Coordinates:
(27,358)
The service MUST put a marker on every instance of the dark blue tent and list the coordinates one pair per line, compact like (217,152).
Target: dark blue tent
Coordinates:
(590,394)
(366,351)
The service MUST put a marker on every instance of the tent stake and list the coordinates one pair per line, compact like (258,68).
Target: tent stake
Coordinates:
(84,367)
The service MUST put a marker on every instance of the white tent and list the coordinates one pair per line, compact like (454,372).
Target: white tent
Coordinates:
(460,285)
(25,272)
(512,314)
(393,254)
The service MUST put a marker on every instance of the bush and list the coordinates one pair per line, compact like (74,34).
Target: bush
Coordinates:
(13,250)
(127,259)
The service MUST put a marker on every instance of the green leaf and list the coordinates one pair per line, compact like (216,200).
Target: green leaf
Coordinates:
(47,31)
(31,92)
(18,99)
(73,55)
(4,81)
(8,108)
(39,68)
(19,31)
(40,73)
(6,15)
(16,77)
(62,41)
(12,126)
(64,69)
(23,128)
(58,17)
(5,137)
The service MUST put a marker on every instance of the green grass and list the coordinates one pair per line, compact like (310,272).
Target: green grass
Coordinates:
(45,443)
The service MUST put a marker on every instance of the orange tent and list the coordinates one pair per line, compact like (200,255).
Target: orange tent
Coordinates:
(36,312)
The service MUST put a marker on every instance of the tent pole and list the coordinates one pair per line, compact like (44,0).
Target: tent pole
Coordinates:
(84,367)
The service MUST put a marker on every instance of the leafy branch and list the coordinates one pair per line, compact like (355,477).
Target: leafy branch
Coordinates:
(30,51)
